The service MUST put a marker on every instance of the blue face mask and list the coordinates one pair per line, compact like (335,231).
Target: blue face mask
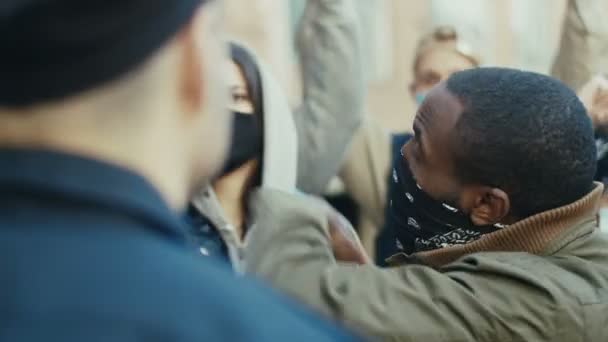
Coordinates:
(419,97)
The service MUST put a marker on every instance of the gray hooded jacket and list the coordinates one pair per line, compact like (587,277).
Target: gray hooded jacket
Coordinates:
(304,149)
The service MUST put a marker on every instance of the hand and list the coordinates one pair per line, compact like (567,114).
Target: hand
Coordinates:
(344,240)
(594,96)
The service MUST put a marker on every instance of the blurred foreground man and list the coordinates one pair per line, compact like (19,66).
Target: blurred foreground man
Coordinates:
(499,205)
(111,113)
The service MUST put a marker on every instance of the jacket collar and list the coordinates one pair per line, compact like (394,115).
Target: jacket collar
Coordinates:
(206,203)
(540,234)
(84,180)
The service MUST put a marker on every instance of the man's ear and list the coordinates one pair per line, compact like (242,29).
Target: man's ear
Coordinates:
(191,92)
(490,206)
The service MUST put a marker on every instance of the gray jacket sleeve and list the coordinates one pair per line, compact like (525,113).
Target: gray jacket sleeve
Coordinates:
(329,45)
(408,303)
(583,50)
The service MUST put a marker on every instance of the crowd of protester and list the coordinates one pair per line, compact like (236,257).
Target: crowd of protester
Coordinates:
(140,203)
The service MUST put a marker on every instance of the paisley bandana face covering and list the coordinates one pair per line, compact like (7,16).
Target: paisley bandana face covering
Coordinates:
(422,223)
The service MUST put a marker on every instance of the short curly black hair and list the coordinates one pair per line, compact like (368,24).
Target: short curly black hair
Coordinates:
(525,133)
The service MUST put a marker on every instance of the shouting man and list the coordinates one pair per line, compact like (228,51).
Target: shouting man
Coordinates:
(496,220)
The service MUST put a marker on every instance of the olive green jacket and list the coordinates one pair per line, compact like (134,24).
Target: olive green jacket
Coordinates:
(542,279)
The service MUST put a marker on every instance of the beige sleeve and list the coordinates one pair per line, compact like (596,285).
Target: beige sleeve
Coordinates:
(366,168)
(583,50)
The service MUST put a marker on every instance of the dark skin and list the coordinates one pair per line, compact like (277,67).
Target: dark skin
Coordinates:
(431,158)
(430,155)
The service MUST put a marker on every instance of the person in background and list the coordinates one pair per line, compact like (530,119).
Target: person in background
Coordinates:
(498,251)
(365,171)
(270,146)
(581,63)
(594,95)
(105,131)
(438,55)
(583,50)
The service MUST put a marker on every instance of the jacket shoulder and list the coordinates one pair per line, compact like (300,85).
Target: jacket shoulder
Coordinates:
(553,295)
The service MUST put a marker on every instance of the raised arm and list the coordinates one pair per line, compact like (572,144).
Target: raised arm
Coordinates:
(329,46)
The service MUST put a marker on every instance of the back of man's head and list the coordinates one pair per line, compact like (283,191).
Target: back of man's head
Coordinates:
(135,82)
(525,133)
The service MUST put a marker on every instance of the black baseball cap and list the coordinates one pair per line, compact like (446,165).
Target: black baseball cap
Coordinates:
(51,49)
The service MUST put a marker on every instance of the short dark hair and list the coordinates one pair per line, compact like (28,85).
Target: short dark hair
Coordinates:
(525,133)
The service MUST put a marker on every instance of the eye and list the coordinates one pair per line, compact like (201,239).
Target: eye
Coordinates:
(239,98)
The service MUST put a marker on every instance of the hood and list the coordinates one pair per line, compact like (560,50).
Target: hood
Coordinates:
(279,170)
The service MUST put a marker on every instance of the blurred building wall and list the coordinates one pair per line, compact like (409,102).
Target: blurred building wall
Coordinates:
(518,33)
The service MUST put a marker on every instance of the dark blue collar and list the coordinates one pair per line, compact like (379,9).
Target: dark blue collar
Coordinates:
(105,186)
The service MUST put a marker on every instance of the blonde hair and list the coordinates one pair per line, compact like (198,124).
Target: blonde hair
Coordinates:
(444,37)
